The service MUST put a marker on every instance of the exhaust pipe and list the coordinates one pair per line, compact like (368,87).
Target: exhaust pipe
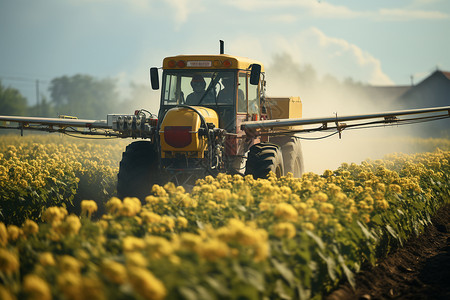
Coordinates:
(222,47)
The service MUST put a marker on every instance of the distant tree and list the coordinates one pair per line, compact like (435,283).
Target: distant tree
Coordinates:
(83,96)
(12,102)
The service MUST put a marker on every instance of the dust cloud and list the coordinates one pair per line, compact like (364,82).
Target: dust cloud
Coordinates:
(325,97)
(139,96)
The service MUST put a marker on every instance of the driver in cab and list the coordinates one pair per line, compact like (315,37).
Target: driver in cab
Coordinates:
(198,85)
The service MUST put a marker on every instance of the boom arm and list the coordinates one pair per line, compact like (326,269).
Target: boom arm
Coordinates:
(137,125)
(274,127)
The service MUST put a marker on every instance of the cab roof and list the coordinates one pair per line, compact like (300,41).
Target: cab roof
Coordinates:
(219,61)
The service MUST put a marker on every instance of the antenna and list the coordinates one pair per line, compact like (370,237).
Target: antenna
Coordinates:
(222,47)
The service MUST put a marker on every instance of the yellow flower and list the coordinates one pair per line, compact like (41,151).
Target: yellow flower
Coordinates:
(158,247)
(284,229)
(262,251)
(222,195)
(4,293)
(383,204)
(88,207)
(182,222)
(327,208)
(136,259)
(366,218)
(132,243)
(320,197)
(36,288)
(114,271)
(54,214)
(395,188)
(8,262)
(46,259)
(189,241)
(131,206)
(213,249)
(30,227)
(70,264)
(285,211)
(3,234)
(146,284)
(71,285)
(159,191)
(150,217)
(13,232)
(92,288)
(308,226)
(114,205)
(312,214)
(264,206)
(327,173)
(301,208)
(71,225)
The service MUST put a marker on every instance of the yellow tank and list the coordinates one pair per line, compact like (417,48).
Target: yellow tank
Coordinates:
(179,131)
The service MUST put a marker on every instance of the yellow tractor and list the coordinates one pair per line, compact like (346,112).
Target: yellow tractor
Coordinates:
(205,100)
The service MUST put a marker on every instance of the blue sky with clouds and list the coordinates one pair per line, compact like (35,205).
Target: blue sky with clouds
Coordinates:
(379,42)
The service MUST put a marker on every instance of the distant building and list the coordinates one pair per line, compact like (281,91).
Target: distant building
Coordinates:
(433,91)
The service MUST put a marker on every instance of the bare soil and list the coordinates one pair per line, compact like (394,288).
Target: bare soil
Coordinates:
(419,270)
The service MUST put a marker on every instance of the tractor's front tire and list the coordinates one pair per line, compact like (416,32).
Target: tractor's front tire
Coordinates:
(138,170)
(263,158)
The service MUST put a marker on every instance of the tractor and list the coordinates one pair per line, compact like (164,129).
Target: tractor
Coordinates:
(205,99)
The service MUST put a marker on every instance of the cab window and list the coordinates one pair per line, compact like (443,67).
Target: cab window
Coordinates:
(242,93)
(253,99)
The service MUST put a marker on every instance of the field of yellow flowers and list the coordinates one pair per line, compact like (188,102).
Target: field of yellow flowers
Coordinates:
(231,237)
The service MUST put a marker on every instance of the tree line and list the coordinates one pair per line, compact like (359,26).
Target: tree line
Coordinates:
(80,95)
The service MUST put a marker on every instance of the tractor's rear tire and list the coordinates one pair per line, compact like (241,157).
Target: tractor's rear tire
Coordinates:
(292,154)
(263,158)
(293,157)
(138,171)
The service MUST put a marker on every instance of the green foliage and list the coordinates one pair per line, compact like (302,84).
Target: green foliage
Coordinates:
(12,102)
(84,96)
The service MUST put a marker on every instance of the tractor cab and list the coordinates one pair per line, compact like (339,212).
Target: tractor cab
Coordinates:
(229,85)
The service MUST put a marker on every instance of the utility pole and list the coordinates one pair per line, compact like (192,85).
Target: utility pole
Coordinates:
(37,98)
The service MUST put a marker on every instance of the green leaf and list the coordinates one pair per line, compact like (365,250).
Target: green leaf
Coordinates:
(365,231)
(348,273)
(255,278)
(392,231)
(377,220)
(241,208)
(280,290)
(316,238)
(217,286)
(284,271)
(331,265)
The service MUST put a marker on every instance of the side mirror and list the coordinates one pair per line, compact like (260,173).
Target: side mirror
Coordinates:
(255,74)
(154,78)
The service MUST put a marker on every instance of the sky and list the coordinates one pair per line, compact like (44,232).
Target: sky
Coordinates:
(381,42)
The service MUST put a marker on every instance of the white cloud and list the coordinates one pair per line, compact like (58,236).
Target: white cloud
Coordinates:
(335,56)
(408,15)
(283,18)
(330,11)
(184,8)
